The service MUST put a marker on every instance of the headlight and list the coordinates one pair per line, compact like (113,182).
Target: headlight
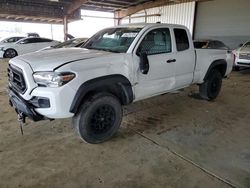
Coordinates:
(53,79)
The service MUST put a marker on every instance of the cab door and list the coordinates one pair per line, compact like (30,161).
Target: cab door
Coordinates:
(185,58)
(157,44)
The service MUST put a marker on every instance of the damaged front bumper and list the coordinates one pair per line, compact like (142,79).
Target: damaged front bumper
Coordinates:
(26,108)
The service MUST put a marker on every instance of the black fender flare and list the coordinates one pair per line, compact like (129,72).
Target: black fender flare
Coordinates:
(117,84)
(221,64)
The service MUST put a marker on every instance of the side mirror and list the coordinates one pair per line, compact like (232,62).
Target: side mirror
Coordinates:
(144,64)
(241,45)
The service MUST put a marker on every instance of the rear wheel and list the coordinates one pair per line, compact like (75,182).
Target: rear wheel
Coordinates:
(98,119)
(236,68)
(10,53)
(210,89)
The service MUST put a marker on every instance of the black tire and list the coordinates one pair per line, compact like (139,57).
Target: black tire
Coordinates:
(10,53)
(210,89)
(236,68)
(98,119)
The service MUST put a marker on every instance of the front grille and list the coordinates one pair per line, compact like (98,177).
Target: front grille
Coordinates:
(245,56)
(16,79)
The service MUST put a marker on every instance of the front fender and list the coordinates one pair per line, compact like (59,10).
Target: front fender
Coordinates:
(116,84)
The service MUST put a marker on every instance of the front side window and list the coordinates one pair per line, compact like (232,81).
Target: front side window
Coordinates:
(18,38)
(25,41)
(157,41)
(13,39)
(116,40)
(32,40)
(181,37)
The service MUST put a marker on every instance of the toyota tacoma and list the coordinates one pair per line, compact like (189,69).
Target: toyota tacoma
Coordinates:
(115,67)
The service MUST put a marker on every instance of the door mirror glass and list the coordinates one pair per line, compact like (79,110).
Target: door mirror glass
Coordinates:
(144,64)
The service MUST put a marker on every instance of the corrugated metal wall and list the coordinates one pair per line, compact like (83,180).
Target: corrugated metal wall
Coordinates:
(174,14)
(225,20)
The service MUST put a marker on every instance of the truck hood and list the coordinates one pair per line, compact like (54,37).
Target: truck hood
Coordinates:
(49,60)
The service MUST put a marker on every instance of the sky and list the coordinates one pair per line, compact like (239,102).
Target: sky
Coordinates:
(83,28)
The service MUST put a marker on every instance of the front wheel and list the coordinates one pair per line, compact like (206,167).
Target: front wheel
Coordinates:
(210,89)
(98,119)
(10,53)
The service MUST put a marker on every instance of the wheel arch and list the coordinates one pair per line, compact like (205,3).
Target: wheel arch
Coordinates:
(117,85)
(220,64)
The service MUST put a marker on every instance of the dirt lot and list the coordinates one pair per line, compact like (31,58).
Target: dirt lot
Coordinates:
(174,140)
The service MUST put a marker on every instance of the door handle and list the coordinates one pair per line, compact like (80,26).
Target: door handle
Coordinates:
(171,61)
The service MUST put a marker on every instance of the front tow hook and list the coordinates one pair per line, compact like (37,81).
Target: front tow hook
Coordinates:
(21,119)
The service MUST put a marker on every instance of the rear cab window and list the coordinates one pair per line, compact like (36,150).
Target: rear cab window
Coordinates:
(181,38)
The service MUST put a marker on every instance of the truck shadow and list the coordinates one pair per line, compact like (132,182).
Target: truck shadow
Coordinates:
(244,71)
(195,95)
(155,116)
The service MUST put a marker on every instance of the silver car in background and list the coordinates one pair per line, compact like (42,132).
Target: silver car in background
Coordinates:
(75,42)
(242,56)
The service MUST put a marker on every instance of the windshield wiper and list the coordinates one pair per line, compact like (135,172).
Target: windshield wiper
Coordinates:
(108,50)
(101,49)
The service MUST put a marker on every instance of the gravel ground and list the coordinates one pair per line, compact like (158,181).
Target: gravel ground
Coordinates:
(174,140)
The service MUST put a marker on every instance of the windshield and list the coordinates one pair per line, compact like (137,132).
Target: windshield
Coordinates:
(116,40)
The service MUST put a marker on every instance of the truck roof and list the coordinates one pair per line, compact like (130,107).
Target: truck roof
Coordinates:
(142,25)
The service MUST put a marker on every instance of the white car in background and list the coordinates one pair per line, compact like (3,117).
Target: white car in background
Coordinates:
(242,56)
(75,42)
(24,46)
(10,39)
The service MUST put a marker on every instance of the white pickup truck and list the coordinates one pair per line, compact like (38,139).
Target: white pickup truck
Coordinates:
(116,67)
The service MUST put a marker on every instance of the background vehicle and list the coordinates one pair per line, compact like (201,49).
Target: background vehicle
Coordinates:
(215,45)
(115,67)
(10,39)
(33,35)
(23,46)
(210,44)
(75,42)
(242,56)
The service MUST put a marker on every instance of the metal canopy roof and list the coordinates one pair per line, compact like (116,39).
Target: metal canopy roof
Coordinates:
(53,11)
(112,5)
(34,10)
